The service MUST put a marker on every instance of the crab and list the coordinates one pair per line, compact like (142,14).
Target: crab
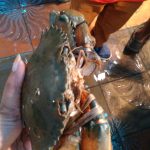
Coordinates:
(55,103)
(80,38)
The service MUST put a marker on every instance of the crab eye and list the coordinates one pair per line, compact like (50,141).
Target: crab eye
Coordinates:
(63,108)
(53,17)
(65,50)
(64,18)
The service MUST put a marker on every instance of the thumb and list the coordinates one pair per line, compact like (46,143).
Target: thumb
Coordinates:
(10,117)
(10,103)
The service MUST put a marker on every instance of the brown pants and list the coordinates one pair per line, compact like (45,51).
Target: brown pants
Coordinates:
(111,17)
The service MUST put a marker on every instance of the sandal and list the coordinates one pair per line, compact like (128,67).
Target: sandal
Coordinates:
(103,52)
(134,45)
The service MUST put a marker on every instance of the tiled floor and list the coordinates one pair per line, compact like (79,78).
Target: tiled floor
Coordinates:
(22,22)
(121,86)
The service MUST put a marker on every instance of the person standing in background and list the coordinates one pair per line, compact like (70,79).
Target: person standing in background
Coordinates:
(112,15)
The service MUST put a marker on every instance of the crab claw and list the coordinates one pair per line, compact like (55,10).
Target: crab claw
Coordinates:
(96,136)
(87,67)
(83,36)
(87,61)
(96,133)
(81,59)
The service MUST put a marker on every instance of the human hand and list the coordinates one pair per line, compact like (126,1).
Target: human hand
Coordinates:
(10,113)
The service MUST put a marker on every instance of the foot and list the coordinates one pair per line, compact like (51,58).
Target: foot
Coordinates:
(134,45)
(138,39)
(103,52)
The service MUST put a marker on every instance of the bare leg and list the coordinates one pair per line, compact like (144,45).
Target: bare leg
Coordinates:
(112,18)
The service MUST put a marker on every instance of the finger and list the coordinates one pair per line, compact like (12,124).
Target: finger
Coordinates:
(10,118)
(10,103)
(26,139)
(27,144)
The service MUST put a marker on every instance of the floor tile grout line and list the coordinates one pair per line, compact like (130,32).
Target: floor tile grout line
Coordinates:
(124,77)
(104,98)
(9,57)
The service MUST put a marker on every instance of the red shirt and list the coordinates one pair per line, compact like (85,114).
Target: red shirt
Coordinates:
(113,1)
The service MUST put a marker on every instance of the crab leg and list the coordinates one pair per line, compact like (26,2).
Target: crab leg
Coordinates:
(96,133)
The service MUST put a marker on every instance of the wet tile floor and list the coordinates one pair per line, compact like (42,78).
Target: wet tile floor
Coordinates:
(121,86)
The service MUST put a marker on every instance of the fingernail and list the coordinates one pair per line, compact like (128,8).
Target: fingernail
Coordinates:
(16,63)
